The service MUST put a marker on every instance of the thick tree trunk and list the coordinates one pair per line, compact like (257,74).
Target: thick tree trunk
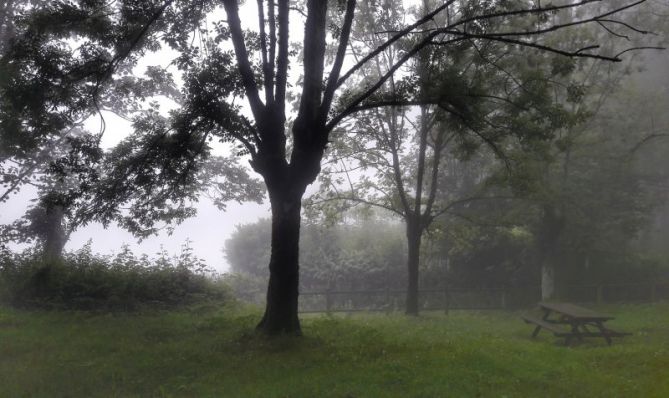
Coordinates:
(282,292)
(286,183)
(413,262)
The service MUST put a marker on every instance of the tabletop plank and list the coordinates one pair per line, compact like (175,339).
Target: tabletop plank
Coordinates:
(574,311)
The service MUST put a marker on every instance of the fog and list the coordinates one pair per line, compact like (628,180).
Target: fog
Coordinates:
(383,198)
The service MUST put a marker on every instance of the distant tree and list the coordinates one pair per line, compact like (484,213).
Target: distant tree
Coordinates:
(573,180)
(247,250)
(115,34)
(363,254)
(586,196)
(468,99)
(58,177)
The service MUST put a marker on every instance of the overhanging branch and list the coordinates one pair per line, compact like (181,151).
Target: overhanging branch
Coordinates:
(392,40)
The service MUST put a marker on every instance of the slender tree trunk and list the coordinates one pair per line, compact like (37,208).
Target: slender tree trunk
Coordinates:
(414,235)
(282,292)
(547,281)
(552,224)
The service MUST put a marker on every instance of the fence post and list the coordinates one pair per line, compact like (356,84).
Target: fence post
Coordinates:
(447,301)
(600,294)
(328,301)
(653,292)
(504,298)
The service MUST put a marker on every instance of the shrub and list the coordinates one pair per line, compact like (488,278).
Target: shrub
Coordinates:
(84,280)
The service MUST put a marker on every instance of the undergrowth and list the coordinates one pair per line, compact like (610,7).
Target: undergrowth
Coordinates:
(83,280)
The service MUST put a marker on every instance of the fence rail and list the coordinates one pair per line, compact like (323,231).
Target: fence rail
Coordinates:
(445,299)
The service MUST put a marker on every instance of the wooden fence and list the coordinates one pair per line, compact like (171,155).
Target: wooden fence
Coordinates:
(445,299)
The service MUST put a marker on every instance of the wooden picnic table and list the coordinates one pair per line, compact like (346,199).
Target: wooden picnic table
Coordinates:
(579,322)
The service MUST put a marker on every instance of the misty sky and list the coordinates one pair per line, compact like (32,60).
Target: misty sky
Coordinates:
(207,231)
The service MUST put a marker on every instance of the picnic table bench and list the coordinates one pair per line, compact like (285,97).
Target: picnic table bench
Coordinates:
(572,322)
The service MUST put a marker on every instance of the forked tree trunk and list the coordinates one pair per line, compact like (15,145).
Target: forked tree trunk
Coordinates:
(286,184)
(413,262)
(282,292)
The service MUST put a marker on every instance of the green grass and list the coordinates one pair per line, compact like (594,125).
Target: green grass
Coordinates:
(213,352)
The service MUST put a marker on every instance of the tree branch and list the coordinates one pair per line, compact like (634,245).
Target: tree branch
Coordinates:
(461,35)
(359,200)
(392,40)
(282,61)
(436,160)
(331,86)
(639,48)
(640,143)
(267,72)
(248,79)
(494,37)
(397,172)
(358,100)
(314,64)
(272,44)
(458,202)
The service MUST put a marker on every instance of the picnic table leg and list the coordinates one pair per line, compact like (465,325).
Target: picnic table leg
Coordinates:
(604,332)
(547,313)
(538,328)
(575,332)
(536,331)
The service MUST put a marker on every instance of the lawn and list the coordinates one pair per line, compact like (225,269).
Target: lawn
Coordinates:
(211,351)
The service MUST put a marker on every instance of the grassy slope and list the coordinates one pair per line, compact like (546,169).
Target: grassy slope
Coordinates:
(210,352)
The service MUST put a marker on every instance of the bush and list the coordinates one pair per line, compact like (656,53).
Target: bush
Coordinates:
(83,280)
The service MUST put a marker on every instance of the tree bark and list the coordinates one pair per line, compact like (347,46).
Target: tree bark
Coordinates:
(414,237)
(282,292)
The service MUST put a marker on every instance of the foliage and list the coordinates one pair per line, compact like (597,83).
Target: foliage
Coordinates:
(68,61)
(83,280)
(48,85)
(367,255)
(207,352)
(587,195)
(247,250)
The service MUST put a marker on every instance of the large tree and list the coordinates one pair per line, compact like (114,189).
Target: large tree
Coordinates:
(287,155)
